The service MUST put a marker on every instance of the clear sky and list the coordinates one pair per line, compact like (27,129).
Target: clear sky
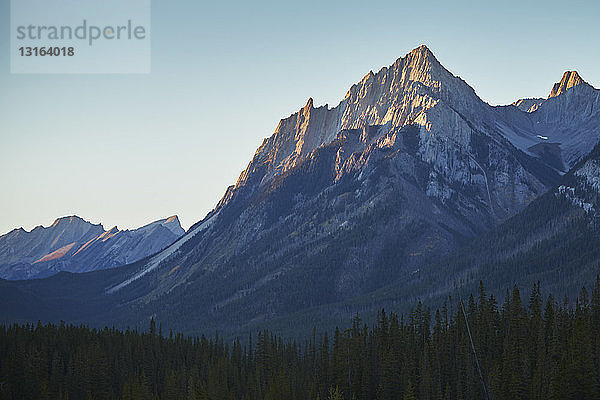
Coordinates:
(128,149)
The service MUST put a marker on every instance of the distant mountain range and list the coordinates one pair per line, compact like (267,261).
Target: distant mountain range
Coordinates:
(75,245)
(348,208)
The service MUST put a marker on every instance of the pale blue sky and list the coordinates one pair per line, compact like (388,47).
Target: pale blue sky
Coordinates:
(128,149)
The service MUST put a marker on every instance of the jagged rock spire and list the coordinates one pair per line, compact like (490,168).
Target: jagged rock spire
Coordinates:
(569,80)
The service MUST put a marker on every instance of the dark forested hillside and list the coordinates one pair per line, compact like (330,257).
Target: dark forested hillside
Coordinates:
(525,348)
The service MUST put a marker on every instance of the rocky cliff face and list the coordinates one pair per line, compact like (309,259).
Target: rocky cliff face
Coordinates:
(570,79)
(75,245)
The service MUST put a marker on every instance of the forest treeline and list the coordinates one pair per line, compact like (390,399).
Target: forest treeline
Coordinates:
(524,348)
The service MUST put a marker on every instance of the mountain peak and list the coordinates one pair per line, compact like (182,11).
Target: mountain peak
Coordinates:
(422,53)
(309,104)
(422,49)
(172,218)
(569,80)
(421,65)
(528,104)
(171,223)
(67,220)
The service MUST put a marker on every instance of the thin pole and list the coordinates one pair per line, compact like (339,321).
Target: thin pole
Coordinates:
(487,396)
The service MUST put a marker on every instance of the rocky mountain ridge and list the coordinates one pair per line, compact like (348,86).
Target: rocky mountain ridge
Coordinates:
(73,244)
(560,129)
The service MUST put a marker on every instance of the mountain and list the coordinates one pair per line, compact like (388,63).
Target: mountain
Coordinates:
(570,79)
(75,245)
(561,129)
(528,105)
(555,241)
(339,203)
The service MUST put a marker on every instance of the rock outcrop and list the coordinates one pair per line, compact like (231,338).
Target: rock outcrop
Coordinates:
(570,79)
